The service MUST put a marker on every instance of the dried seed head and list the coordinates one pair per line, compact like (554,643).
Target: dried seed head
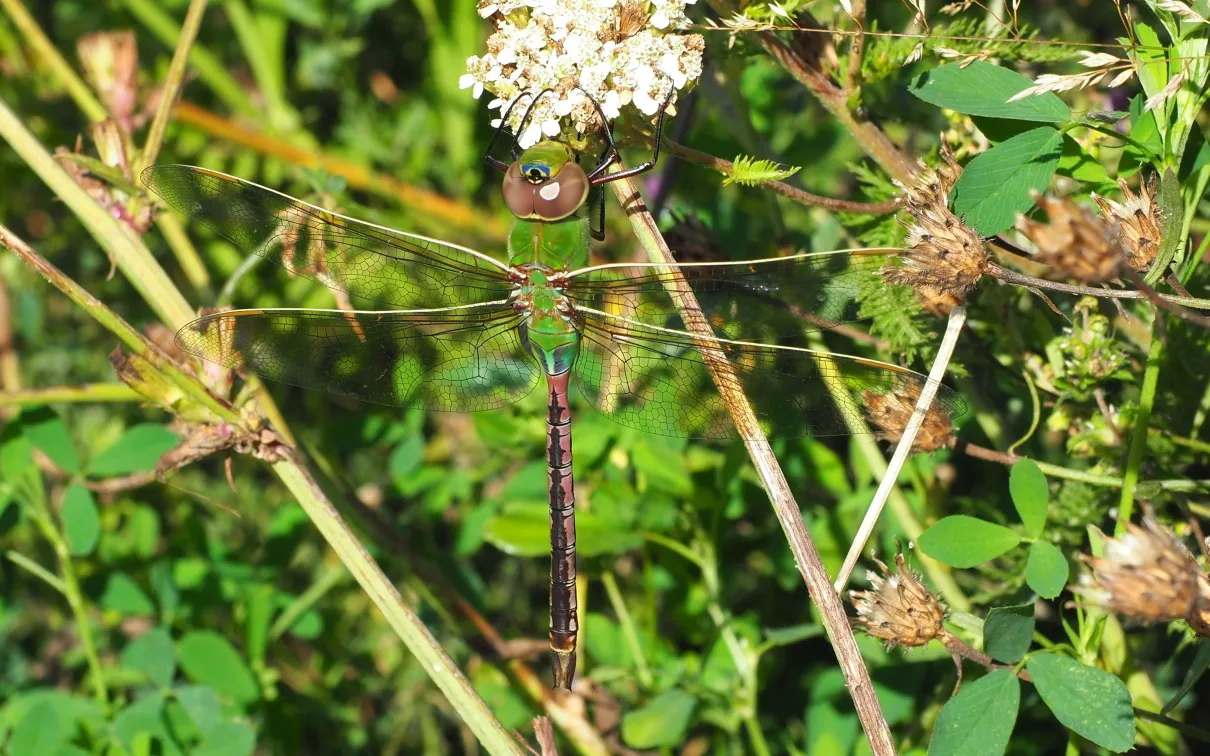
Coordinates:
(891,411)
(1137,219)
(945,257)
(1073,242)
(111,61)
(897,609)
(1149,576)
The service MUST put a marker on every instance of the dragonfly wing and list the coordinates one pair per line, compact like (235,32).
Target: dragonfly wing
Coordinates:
(376,264)
(657,380)
(755,300)
(463,359)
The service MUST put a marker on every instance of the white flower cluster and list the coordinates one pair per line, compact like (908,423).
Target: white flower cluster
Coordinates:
(620,52)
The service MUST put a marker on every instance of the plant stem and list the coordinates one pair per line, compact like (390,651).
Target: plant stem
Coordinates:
(1055,471)
(957,318)
(1012,277)
(37,570)
(806,555)
(624,618)
(1138,432)
(726,167)
(407,625)
(119,242)
(77,89)
(172,85)
(88,392)
(186,254)
(852,79)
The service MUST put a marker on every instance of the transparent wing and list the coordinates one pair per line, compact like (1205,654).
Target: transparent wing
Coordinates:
(464,359)
(378,265)
(754,300)
(656,380)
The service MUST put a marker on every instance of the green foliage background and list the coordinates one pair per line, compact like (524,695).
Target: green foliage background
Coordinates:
(222,619)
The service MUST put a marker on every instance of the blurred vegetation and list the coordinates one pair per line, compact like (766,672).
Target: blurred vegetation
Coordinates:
(220,617)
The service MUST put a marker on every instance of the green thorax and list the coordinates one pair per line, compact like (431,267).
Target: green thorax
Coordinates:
(542,249)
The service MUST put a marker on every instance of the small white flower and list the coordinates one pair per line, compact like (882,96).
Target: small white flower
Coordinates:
(645,102)
(486,11)
(530,136)
(551,128)
(494,74)
(507,56)
(659,20)
(611,106)
(466,81)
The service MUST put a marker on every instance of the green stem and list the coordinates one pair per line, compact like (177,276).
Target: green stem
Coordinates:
(70,588)
(77,89)
(328,579)
(186,254)
(1138,434)
(256,52)
(209,68)
(89,392)
(37,570)
(407,625)
(172,84)
(119,242)
(628,630)
(759,745)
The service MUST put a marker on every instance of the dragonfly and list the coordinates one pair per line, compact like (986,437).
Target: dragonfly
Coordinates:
(453,329)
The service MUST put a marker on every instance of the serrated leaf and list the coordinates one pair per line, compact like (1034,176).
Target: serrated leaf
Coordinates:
(1029,491)
(1090,702)
(750,171)
(1047,571)
(661,723)
(208,658)
(980,719)
(983,89)
(962,541)
(1008,632)
(81,523)
(136,451)
(998,184)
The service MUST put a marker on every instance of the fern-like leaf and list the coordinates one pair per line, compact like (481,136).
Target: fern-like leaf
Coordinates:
(751,171)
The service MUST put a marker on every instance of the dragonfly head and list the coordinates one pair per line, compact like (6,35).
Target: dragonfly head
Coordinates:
(545,183)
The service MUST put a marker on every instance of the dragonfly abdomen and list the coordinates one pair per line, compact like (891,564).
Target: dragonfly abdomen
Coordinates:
(564,624)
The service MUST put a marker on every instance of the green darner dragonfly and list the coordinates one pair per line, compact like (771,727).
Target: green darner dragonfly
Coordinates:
(456,329)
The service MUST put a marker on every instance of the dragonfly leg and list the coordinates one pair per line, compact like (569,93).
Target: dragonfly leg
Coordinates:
(564,624)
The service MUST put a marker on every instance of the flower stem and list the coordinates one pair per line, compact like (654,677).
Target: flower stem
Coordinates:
(632,636)
(172,84)
(1138,433)
(89,392)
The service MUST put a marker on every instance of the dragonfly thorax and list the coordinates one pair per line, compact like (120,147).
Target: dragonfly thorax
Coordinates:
(548,331)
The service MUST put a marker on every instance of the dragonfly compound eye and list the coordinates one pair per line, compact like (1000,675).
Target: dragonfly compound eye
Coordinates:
(552,199)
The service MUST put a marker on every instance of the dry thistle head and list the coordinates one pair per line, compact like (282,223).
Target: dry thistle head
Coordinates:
(890,411)
(1073,242)
(945,257)
(897,609)
(1149,576)
(1138,222)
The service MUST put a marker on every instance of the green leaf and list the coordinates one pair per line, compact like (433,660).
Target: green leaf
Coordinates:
(1008,632)
(48,433)
(40,732)
(753,172)
(1081,166)
(144,719)
(983,89)
(784,636)
(661,723)
(1046,571)
(202,705)
(980,719)
(208,658)
(122,594)
(81,523)
(153,653)
(228,739)
(1090,702)
(962,541)
(1029,491)
(526,531)
(136,451)
(664,471)
(998,184)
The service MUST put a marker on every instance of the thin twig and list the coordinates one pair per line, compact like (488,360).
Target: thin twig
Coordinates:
(957,318)
(1012,277)
(172,84)
(785,507)
(852,80)
(800,196)
(1055,471)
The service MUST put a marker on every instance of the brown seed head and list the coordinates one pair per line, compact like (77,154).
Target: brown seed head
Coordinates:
(1073,242)
(892,410)
(897,609)
(1138,223)
(945,257)
(111,61)
(1149,576)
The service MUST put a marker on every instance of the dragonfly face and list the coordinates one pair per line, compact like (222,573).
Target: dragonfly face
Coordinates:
(545,184)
